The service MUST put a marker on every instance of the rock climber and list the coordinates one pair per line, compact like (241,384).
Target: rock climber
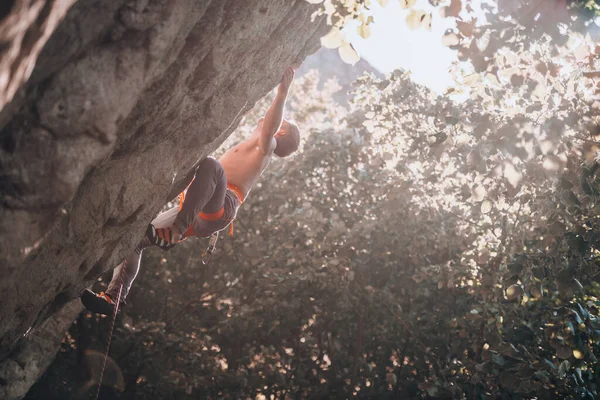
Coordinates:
(211,201)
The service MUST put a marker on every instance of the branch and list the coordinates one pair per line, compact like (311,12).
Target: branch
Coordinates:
(592,74)
(586,140)
(464,219)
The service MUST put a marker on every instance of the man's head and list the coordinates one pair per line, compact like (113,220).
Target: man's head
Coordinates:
(288,138)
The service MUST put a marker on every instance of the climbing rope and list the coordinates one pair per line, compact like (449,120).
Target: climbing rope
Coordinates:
(110,332)
(206,256)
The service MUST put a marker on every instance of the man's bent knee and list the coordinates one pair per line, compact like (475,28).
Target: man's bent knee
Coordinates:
(209,164)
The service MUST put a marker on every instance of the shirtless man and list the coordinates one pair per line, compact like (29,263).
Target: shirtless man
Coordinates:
(211,201)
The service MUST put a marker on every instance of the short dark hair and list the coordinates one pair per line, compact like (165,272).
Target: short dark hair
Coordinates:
(290,141)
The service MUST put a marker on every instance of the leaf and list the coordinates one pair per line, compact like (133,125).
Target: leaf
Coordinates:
(578,372)
(569,198)
(492,80)
(348,54)
(542,68)
(577,317)
(569,328)
(583,311)
(515,267)
(563,352)
(454,8)
(486,206)
(563,368)
(465,28)
(542,376)
(474,160)
(513,292)
(536,291)
(472,79)
(552,163)
(431,389)
(364,30)
(516,80)
(511,174)
(333,40)
(391,378)
(417,19)
(479,193)
(450,39)
(498,359)
(549,363)
(482,367)
(426,22)
(540,91)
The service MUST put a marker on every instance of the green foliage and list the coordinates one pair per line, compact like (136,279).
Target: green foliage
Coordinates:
(481,28)
(417,246)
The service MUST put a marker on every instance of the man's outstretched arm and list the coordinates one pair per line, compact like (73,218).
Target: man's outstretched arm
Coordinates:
(274,116)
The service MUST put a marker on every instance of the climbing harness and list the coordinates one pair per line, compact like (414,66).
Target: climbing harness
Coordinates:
(110,332)
(212,245)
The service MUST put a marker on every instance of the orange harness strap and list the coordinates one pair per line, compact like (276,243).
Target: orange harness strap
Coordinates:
(216,215)
(237,191)
(212,216)
(189,232)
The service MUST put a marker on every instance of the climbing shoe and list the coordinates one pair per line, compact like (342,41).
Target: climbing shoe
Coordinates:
(161,237)
(99,303)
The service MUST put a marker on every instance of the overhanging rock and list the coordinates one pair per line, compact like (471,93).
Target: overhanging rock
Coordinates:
(125,99)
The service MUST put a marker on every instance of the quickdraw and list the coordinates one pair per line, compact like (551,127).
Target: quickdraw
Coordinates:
(212,245)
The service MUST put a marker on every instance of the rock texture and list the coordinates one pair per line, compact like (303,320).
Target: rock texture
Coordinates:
(127,96)
(25,26)
(35,353)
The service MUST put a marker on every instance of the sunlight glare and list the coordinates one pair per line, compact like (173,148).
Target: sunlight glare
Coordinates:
(393,45)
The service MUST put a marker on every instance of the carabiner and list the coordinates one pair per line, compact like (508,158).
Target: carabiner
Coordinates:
(206,256)
(212,245)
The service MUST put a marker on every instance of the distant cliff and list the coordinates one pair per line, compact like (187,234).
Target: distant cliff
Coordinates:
(330,65)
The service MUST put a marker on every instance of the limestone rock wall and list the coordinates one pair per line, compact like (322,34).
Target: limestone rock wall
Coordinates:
(25,26)
(35,353)
(126,97)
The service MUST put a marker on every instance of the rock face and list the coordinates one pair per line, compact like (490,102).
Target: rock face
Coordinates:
(126,97)
(25,26)
(35,353)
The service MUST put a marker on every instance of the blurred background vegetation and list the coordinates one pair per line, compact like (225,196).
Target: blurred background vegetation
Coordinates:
(418,246)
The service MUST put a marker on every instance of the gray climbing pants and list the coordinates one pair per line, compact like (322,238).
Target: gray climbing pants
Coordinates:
(209,205)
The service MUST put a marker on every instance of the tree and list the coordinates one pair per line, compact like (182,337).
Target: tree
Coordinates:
(418,247)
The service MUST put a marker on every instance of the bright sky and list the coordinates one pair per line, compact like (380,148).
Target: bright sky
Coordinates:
(393,45)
